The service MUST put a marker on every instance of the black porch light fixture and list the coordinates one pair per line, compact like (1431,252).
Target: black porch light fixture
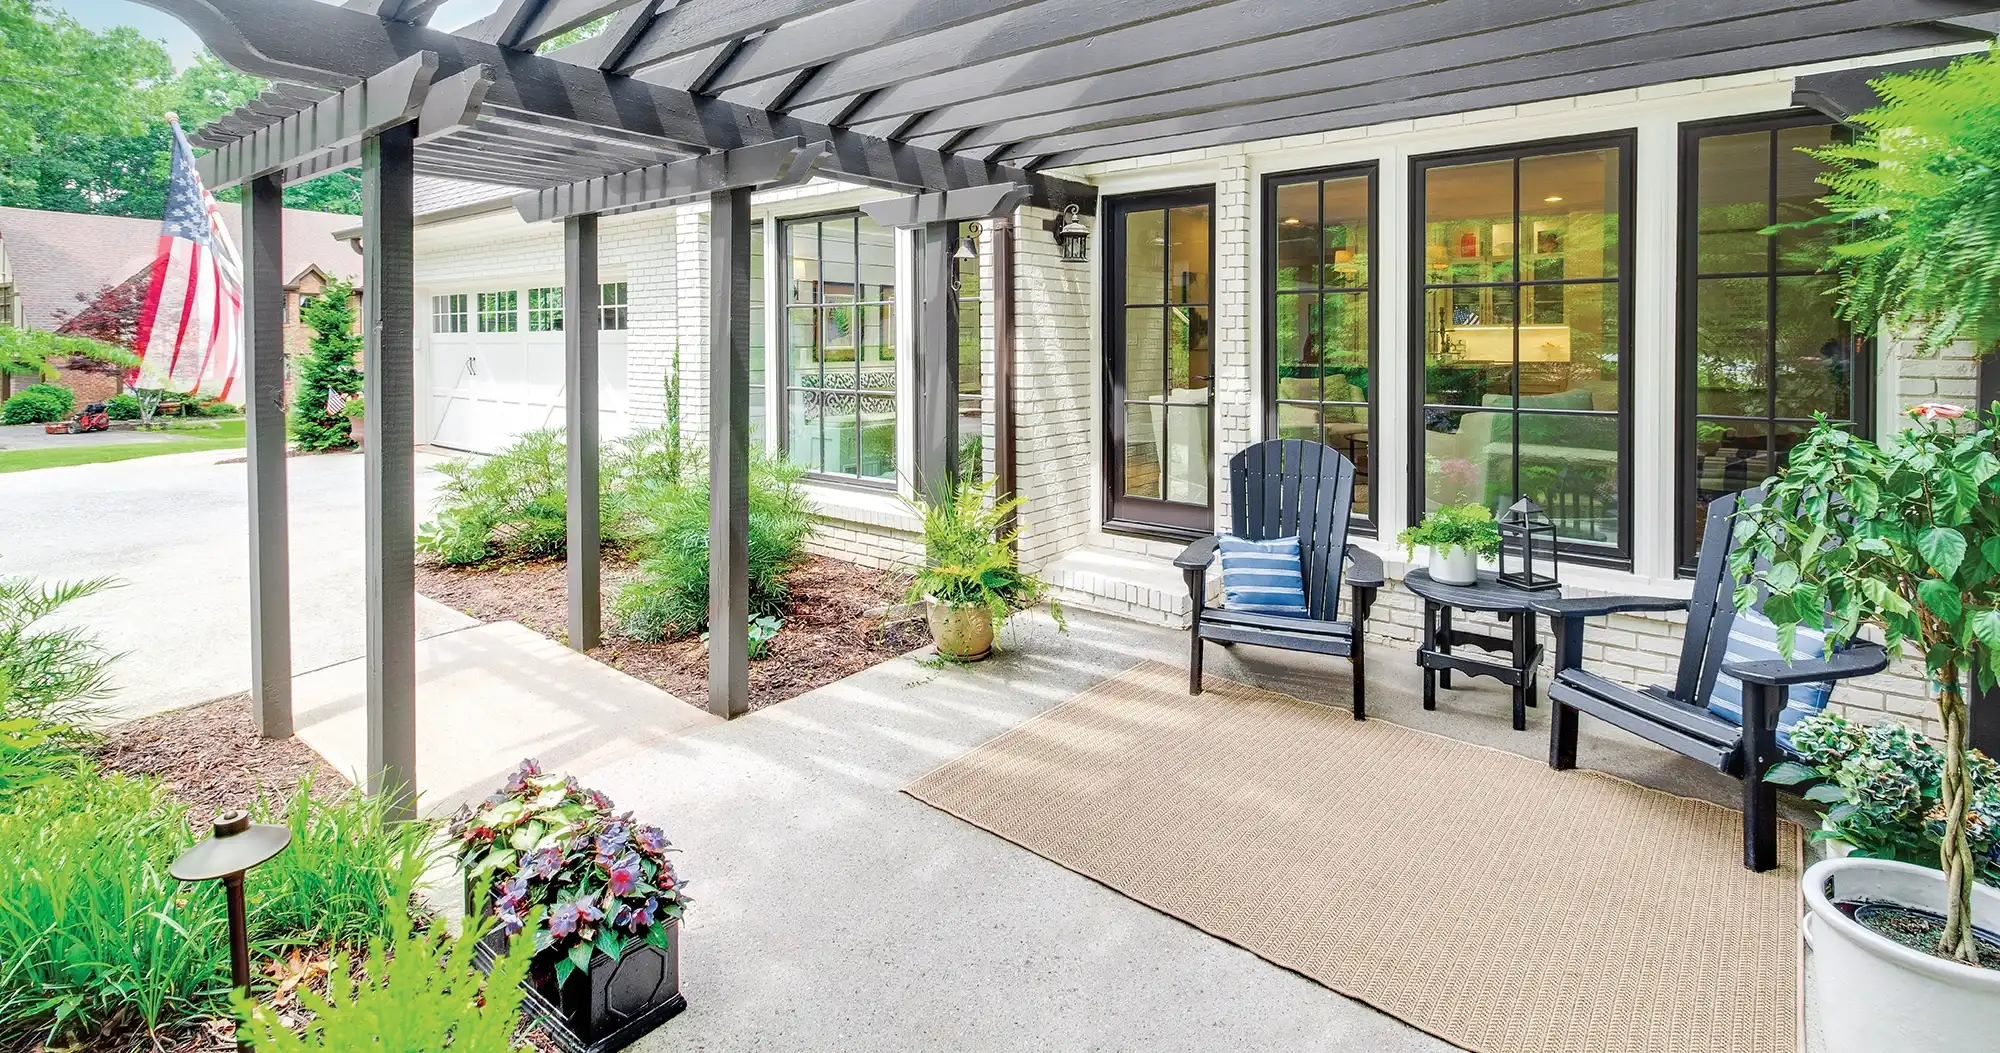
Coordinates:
(237,846)
(1073,236)
(1527,547)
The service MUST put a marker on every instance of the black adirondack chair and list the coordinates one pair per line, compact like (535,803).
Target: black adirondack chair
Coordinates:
(1676,716)
(1276,489)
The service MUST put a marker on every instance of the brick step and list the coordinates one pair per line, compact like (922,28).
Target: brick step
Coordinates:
(1142,587)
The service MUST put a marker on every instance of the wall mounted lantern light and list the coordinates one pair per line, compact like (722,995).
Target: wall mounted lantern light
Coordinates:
(1073,236)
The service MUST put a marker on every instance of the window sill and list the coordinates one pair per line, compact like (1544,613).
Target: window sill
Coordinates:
(876,508)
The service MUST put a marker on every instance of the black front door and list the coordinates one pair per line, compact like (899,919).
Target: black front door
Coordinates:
(1159,363)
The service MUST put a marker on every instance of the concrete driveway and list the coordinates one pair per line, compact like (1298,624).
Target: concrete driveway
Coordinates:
(174,530)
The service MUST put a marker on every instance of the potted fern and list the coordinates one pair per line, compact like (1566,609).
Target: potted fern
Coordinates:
(1458,536)
(969,581)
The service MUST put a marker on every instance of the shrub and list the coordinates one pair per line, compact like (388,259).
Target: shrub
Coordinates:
(38,404)
(54,675)
(669,596)
(329,366)
(338,879)
(122,407)
(416,990)
(514,504)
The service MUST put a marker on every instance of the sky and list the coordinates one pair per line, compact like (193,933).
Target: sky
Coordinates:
(182,44)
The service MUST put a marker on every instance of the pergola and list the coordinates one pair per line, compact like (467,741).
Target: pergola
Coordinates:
(962,107)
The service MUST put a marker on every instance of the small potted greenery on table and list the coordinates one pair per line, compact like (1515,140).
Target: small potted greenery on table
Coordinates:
(969,580)
(1458,536)
(604,899)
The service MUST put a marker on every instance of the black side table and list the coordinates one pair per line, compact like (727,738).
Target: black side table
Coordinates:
(1524,652)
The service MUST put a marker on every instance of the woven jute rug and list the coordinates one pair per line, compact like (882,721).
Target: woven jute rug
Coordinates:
(1470,892)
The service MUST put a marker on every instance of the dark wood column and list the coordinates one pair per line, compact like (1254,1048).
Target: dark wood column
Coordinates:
(580,293)
(936,361)
(264,402)
(729,453)
(388,169)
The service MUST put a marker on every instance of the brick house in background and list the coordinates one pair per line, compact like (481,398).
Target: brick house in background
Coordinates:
(84,274)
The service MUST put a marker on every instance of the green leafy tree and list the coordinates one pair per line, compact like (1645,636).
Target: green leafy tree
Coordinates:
(34,351)
(1904,536)
(1917,197)
(329,366)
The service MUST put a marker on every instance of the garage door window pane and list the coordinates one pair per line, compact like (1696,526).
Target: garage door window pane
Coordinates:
(545,310)
(612,302)
(499,312)
(448,314)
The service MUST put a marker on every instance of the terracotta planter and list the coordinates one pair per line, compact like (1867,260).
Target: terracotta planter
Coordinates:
(962,634)
(356,427)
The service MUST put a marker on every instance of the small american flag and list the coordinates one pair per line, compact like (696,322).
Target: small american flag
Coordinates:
(335,402)
(190,335)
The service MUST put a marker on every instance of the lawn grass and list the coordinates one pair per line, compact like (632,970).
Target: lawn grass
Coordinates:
(227,435)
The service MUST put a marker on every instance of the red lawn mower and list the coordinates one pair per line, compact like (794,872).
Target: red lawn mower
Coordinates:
(93,418)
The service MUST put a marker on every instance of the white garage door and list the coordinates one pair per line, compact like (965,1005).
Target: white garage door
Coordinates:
(487,388)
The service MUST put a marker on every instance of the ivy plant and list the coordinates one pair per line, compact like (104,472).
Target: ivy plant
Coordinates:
(1905,536)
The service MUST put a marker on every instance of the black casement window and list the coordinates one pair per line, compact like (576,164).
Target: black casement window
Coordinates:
(840,346)
(1761,350)
(1522,262)
(1319,313)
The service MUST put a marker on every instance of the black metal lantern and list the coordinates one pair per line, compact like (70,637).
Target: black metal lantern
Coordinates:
(1073,237)
(1527,547)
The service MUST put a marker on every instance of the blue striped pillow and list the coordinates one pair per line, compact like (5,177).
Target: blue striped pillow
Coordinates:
(1262,576)
(1752,638)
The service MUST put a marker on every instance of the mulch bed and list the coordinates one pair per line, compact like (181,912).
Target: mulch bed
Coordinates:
(843,619)
(212,757)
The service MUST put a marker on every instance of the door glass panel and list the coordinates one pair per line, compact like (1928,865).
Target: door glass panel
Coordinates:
(1188,354)
(1145,257)
(1187,255)
(1187,471)
(1145,352)
(1145,435)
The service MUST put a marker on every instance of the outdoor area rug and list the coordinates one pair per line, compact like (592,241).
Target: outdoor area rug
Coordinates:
(1470,892)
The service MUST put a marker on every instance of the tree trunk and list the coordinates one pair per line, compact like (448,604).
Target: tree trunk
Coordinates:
(1955,853)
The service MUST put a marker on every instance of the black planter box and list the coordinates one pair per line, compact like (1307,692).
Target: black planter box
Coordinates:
(607,1008)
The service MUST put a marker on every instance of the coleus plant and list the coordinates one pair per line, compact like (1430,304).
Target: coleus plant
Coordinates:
(601,879)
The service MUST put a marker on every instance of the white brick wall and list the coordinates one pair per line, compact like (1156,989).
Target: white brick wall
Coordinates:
(1055,375)
(1235,255)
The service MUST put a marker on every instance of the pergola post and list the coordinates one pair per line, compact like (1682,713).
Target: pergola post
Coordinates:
(388,173)
(937,362)
(580,402)
(729,453)
(264,401)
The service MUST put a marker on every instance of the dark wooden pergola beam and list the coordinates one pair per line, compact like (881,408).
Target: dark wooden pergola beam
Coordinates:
(1627,36)
(1346,54)
(763,166)
(450,106)
(859,26)
(692,25)
(1846,45)
(1064,32)
(308,42)
(388,98)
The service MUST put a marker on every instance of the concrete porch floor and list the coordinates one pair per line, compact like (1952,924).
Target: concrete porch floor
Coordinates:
(834,913)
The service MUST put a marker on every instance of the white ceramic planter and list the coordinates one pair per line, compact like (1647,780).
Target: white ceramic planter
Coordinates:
(1455,565)
(1876,995)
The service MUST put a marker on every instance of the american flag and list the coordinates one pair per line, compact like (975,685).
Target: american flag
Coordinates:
(190,335)
(335,402)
